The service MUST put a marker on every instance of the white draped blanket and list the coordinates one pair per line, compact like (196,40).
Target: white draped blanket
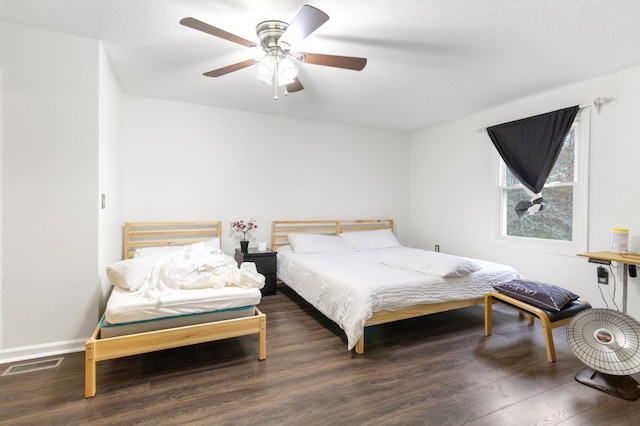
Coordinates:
(197,267)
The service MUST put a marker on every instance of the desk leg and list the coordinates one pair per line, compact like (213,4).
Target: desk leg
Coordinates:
(625,277)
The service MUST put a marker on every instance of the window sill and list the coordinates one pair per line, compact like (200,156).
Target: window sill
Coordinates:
(566,248)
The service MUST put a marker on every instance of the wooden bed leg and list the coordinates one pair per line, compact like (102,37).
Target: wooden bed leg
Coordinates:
(360,345)
(262,338)
(89,370)
(488,308)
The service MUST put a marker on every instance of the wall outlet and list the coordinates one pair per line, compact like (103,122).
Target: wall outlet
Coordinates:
(603,275)
(437,247)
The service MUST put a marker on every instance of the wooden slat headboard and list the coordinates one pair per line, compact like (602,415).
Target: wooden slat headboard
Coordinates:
(158,234)
(281,228)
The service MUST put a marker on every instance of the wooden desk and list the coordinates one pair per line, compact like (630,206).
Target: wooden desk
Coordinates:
(625,259)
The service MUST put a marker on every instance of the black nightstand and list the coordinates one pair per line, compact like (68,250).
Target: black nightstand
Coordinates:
(266,264)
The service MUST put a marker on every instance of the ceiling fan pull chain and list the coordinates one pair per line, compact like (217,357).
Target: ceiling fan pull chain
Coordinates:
(275,79)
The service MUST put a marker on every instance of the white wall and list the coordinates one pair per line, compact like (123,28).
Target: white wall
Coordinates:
(111,158)
(68,134)
(190,162)
(1,205)
(49,183)
(452,184)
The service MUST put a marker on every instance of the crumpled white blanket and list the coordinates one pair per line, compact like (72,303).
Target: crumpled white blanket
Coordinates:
(198,266)
(431,262)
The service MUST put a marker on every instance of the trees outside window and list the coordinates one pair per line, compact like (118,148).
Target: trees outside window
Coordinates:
(561,225)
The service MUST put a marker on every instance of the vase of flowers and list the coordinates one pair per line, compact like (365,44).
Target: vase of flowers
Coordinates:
(240,226)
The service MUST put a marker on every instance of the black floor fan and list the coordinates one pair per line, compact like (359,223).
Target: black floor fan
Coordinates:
(608,342)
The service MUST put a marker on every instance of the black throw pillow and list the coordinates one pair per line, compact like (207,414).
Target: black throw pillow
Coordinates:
(540,295)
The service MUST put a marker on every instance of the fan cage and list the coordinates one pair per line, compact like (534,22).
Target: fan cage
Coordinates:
(606,340)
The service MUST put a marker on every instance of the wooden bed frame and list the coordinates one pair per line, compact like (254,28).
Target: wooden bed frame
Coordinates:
(157,234)
(281,228)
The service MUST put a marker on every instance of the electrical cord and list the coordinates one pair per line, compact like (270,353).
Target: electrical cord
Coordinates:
(615,286)
(602,296)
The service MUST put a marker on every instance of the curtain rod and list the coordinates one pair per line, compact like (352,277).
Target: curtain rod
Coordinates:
(595,104)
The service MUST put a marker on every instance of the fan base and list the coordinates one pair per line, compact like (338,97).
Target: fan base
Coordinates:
(624,387)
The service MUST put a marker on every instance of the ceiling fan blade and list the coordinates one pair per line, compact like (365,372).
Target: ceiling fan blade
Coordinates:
(296,86)
(230,68)
(209,29)
(347,62)
(306,21)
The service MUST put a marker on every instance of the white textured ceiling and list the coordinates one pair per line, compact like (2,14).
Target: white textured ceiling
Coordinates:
(429,61)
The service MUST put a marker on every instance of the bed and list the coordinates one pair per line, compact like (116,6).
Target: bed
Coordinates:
(373,279)
(186,320)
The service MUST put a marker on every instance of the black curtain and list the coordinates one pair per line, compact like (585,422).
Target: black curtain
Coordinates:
(530,146)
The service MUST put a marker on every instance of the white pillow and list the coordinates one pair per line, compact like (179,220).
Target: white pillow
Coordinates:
(130,274)
(371,240)
(213,243)
(156,251)
(317,243)
(433,263)
(164,250)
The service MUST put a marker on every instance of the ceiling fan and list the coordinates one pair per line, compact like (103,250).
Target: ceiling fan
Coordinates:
(274,63)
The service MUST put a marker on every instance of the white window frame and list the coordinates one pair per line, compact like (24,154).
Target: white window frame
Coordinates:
(580,201)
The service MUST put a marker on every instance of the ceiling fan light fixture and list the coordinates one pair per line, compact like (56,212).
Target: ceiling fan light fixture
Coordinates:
(287,71)
(276,69)
(264,68)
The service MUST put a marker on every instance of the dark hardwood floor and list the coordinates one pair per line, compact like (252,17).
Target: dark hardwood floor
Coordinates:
(436,370)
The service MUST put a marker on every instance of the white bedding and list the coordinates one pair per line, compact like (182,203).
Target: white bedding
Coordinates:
(126,306)
(197,267)
(349,287)
(184,280)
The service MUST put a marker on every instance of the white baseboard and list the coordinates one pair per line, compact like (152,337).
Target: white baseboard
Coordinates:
(40,351)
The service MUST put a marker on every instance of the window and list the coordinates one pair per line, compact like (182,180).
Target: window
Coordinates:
(561,226)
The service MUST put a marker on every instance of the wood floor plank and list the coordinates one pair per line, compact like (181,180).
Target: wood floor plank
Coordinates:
(438,370)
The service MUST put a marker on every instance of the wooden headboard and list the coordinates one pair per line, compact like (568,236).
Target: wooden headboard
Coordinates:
(158,234)
(281,228)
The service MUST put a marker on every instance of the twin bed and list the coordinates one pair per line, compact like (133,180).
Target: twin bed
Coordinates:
(144,318)
(353,271)
(358,275)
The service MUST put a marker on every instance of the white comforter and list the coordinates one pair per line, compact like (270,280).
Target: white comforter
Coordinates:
(349,287)
(197,267)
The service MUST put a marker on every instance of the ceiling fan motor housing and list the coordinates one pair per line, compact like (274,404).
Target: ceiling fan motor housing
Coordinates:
(269,33)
